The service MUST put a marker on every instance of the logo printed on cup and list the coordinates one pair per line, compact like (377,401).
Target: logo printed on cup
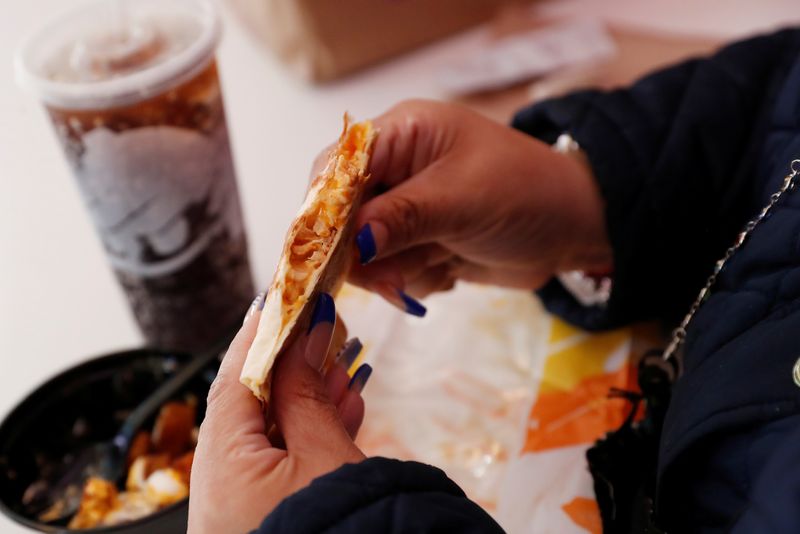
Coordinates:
(158,195)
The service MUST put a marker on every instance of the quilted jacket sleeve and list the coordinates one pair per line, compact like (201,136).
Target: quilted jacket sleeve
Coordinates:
(772,506)
(380,495)
(674,157)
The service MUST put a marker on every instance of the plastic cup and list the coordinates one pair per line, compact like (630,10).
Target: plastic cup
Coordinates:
(132,90)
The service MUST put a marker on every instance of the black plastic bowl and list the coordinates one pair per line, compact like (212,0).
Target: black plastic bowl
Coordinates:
(80,406)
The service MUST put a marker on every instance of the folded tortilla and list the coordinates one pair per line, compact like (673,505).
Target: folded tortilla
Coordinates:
(316,254)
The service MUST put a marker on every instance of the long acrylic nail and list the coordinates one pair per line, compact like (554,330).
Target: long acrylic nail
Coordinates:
(350,351)
(365,242)
(400,299)
(324,311)
(413,306)
(360,378)
(256,305)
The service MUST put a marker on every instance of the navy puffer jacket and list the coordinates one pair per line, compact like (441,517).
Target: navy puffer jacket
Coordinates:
(683,159)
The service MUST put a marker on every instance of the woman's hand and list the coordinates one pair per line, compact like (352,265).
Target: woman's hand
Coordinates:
(458,196)
(240,475)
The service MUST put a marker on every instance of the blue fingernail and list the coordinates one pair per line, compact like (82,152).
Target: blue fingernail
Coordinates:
(360,378)
(256,305)
(349,353)
(365,242)
(324,311)
(413,306)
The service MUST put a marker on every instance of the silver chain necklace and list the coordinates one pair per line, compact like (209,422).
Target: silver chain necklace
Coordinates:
(679,334)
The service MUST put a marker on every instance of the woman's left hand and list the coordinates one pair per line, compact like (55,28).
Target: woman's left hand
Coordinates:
(239,476)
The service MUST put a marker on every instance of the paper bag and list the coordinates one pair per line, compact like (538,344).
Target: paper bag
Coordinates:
(325,39)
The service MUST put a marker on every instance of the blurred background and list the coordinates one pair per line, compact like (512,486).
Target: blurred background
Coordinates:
(289,70)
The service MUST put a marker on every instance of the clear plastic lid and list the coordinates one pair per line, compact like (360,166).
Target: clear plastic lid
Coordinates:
(116,52)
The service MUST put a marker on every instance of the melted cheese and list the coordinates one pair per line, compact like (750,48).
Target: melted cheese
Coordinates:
(317,228)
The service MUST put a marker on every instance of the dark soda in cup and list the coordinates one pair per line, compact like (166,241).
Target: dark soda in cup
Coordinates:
(133,92)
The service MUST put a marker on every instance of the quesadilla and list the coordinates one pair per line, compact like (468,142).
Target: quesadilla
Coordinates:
(316,254)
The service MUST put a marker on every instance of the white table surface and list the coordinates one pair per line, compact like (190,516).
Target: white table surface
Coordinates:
(59,302)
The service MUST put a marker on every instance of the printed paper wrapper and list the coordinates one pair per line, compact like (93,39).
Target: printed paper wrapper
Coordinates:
(500,395)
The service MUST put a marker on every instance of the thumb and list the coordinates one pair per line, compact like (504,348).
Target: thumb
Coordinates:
(303,412)
(412,213)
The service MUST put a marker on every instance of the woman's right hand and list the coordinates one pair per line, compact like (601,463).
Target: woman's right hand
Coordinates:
(455,195)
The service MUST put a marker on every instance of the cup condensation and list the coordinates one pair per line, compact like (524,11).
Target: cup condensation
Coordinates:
(132,89)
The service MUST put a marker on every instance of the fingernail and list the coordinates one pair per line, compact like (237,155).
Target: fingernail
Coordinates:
(399,299)
(360,378)
(365,242)
(412,305)
(350,351)
(256,305)
(324,311)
